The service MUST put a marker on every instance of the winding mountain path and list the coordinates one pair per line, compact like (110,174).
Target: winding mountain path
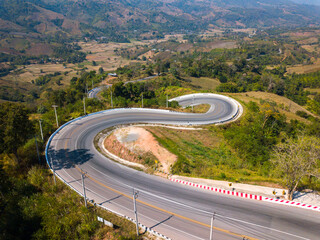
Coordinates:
(177,211)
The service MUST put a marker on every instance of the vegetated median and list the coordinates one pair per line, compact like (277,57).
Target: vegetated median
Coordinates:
(195,153)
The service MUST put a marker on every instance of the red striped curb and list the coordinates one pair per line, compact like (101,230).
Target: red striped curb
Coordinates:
(249,196)
(292,203)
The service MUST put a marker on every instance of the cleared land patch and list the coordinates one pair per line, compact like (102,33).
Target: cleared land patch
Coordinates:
(283,105)
(104,53)
(137,145)
(204,154)
(204,83)
(301,69)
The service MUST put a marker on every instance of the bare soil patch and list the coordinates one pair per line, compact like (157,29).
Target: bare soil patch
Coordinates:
(138,145)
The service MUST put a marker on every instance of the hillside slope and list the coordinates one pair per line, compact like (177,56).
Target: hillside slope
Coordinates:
(117,18)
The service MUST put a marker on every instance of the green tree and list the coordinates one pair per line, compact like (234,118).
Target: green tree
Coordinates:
(101,70)
(15,127)
(297,158)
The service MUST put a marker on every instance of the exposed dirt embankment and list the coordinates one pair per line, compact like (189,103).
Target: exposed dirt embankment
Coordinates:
(138,145)
(112,145)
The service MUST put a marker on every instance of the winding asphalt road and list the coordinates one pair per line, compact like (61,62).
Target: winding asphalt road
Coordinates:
(177,211)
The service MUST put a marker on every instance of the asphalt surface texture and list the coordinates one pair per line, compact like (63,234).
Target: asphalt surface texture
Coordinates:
(175,210)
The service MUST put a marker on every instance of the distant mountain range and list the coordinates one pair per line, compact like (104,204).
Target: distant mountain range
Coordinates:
(117,19)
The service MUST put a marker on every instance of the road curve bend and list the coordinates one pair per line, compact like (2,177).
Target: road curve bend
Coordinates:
(177,211)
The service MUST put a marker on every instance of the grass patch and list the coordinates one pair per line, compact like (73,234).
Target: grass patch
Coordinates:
(202,108)
(282,104)
(204,83)
(205,154)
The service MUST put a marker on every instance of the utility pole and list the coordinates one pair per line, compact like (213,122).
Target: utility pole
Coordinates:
(87,88)
(35,138)
(55,111)
(192,102)
(211,229)
(84,190)
(111,97)
(142,100)
(84,105)
(54,173)
(167,104)
(135,196)
(40,121)
(92,83)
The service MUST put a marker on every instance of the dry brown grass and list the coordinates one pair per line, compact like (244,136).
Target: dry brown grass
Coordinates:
(299,35)
(204,82)
(315,90)
(311,48)
(308,40)
(203,136)
(33,71)
(301,69)
(217,44)
(284,105)
(104,55)
(202,108)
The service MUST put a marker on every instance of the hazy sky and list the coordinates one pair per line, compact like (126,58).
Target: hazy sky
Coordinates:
(315,2)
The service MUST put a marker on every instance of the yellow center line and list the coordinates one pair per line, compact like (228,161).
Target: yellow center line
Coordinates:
(158,208)
(163,210)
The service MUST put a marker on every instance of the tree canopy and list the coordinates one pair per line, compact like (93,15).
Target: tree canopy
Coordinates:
(297,158)
(15,127)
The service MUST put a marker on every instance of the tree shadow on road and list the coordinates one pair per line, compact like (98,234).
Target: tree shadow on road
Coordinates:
(64,158)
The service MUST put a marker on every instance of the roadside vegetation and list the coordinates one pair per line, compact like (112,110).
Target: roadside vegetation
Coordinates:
(244,151)
(282,109)
(31,205)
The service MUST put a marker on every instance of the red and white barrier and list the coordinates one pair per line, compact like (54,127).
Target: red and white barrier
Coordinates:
(292,203)
(248,196)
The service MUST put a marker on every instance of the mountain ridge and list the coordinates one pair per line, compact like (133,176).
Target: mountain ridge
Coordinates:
(121,19)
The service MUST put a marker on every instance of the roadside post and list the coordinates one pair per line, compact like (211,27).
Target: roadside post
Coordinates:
(142,100)
(55,111)
(111,97)
(84,105)
(274,193)
(40,123)
(135,196)
(84,189)
(167,104)
(211,229)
